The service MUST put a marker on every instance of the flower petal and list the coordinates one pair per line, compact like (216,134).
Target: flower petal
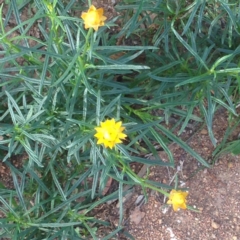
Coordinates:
(93,18)
(178,199)
(110,133)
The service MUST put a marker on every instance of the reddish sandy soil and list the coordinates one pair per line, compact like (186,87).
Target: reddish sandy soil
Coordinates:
(215,192)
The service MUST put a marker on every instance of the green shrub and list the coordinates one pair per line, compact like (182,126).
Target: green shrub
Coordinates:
(56,88)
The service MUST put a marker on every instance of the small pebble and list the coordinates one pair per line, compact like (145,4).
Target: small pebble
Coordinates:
(139,199)
(204,131)
(214,225)
(230,165)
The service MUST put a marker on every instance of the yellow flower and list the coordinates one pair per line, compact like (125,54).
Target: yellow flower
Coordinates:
(110,133)
(178,199)
(93,18)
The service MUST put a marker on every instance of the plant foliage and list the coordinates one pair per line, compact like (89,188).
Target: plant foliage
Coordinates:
(57,85)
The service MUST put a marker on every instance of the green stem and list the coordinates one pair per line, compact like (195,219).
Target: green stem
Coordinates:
(140,180)
(87,41)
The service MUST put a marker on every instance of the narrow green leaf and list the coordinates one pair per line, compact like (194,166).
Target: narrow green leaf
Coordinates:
(187,46)
(65,203)
(192,16)
(57,183)
(182,144)
(39,181)
(53,225)
(152,162)
(121,67)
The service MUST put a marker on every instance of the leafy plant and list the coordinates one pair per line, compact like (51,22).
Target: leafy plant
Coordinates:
(59,86)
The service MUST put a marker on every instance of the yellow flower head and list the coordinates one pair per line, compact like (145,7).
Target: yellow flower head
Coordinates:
(178,199)
(93,18)
(110,133)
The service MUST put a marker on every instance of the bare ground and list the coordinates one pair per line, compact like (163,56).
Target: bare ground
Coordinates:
(215,192)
